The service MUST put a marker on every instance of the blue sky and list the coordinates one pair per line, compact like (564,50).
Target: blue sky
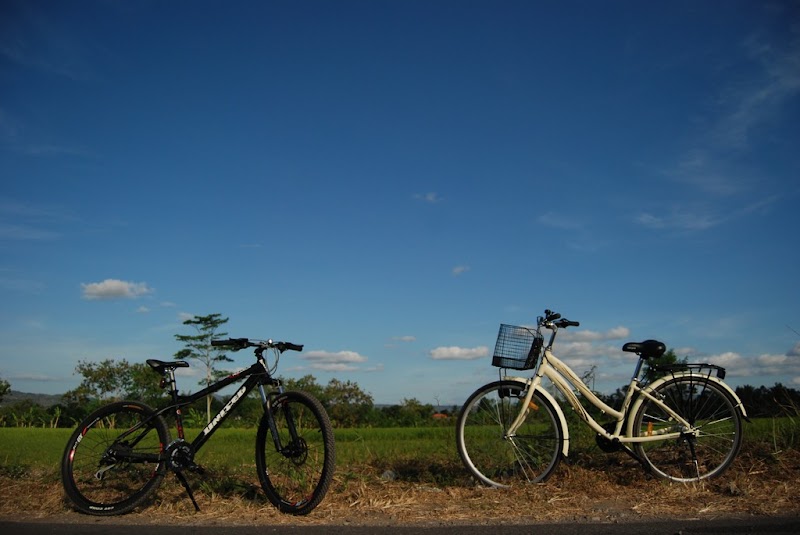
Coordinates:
(387,182)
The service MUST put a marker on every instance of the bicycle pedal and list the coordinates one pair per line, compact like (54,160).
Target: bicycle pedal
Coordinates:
(197,469)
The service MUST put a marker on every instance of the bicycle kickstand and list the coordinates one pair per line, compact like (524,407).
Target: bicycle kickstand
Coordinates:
(185,483)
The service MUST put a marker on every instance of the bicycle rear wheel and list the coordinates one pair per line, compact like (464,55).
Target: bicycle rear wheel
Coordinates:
(296,466)
(112,461)
(707,448)
(496,458)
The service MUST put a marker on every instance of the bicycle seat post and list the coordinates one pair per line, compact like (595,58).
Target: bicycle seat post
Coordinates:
(638,370)
(168,381)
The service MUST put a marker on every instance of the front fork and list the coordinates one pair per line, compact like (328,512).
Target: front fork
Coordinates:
(525,406)
(268,401)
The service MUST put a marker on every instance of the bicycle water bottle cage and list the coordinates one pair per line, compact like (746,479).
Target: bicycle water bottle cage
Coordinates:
(649,349)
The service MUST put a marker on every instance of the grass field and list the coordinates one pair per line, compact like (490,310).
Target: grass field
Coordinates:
(427,481)
(233,449)
(416,450)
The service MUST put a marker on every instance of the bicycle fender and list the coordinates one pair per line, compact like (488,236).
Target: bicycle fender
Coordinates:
(658,382)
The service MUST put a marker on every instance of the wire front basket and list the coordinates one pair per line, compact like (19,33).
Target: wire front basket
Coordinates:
(517,348)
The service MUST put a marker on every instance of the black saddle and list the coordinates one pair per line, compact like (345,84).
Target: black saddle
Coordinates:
(160,365)
(649,349)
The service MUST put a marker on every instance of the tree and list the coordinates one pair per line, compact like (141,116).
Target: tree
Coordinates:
(113,380)
(198,347)
(308,383)
(347,404)
(105,380)
(5,387)
(413,413)
(143,384)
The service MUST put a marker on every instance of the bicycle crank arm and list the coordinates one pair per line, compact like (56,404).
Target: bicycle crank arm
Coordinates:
(100,474)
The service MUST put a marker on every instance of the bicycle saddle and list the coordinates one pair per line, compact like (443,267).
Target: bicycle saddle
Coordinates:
(161,365)
(647,350)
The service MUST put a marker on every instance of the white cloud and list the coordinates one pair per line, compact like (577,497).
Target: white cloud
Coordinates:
(30,376)
(737,365)
(404,338)
(795,351)
(617,333)
(680,220)
(115,289)
(727,360)
(760,101)
(458,270)
(334,367)
(430,197)
(339,361)
(142,310)
(459,353)
(745,108)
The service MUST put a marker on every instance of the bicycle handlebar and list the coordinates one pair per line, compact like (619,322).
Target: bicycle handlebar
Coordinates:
(241,343)
(550,317)
(290,346)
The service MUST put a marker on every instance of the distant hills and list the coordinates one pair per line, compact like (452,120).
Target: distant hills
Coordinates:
(45,400)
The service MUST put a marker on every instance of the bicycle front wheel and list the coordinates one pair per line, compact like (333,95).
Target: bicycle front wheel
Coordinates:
(113,462)
(492,455)
(703,450)
(295,460)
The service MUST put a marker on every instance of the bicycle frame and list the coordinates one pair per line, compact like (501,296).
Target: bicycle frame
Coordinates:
(255,376)
(567,382)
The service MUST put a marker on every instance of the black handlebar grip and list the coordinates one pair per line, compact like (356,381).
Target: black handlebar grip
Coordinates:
(238,342)
(563,324)
(293,347)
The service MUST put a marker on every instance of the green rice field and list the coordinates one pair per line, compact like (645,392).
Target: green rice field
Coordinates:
(356,449)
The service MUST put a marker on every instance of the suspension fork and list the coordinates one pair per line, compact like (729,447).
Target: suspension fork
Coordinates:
(269,407)
(267,403)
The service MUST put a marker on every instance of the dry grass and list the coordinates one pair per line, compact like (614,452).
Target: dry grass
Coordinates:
(596,489)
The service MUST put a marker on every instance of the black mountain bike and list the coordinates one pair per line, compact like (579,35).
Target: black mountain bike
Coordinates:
(118,456)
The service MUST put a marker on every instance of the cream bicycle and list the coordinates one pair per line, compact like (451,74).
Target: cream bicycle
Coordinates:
(684,426)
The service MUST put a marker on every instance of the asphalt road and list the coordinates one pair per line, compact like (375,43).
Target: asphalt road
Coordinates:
(765,525)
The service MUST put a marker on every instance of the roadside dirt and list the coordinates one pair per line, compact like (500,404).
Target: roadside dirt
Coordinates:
(615,491)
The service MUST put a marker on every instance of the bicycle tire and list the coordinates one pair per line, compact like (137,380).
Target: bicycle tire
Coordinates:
(296,477)
(96,477)
(702,453)
(496,459)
